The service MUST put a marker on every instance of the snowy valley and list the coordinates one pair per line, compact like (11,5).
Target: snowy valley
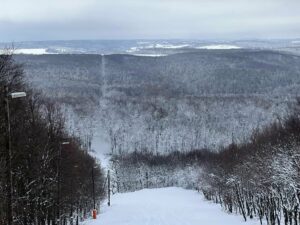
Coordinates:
(171,115)
(138,112)
(182,102)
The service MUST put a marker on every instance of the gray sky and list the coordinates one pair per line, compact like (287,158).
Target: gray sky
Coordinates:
(148,19)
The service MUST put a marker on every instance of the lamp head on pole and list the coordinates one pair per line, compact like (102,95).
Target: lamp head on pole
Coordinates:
(18,94)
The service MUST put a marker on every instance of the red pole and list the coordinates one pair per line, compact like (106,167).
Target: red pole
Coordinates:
(94,214)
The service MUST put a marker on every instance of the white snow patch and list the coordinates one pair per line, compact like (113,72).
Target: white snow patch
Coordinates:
(150,55)
(157,46)
(164,206)
(28,51)
(133,49)
(219,47)
(168,46)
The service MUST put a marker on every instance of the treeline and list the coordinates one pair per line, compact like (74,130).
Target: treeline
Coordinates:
(52,174)
(136,170)
(261,178)
(162,125)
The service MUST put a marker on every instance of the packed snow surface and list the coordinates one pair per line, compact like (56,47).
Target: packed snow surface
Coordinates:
(164,206)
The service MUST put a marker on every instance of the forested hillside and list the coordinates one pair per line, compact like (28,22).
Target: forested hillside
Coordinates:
(219,121)
(140,112)
(180,102)
(45,172)
(260,178)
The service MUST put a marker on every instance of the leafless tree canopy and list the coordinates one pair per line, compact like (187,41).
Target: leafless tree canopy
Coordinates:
(37,133)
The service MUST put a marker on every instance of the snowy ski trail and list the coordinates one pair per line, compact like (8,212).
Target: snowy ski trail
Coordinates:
(165,206)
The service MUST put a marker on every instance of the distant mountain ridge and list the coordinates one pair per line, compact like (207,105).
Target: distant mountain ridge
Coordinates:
(146,47)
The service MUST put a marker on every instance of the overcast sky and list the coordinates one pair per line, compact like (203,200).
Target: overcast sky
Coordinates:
(25,20)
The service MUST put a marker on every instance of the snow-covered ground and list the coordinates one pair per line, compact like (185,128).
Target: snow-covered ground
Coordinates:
(164,206)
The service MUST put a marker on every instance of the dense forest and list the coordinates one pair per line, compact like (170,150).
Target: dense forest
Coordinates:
(223,122)
(180,102)
(258,179)
(46,174)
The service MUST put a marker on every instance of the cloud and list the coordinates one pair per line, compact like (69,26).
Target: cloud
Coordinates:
(123,19)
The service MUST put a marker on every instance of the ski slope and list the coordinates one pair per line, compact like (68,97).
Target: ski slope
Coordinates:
(165,206)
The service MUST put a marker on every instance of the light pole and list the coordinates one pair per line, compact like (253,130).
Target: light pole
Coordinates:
(108,187)
(9,185)
(59,180)
(94,198)
(72,193)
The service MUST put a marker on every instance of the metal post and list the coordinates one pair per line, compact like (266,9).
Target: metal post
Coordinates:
(93,179)
(147,180)
(9,185)
(77,212)
(72,203)
(108,187)
(58,183)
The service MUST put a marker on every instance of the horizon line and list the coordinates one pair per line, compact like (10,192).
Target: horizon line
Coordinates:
(154,39)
